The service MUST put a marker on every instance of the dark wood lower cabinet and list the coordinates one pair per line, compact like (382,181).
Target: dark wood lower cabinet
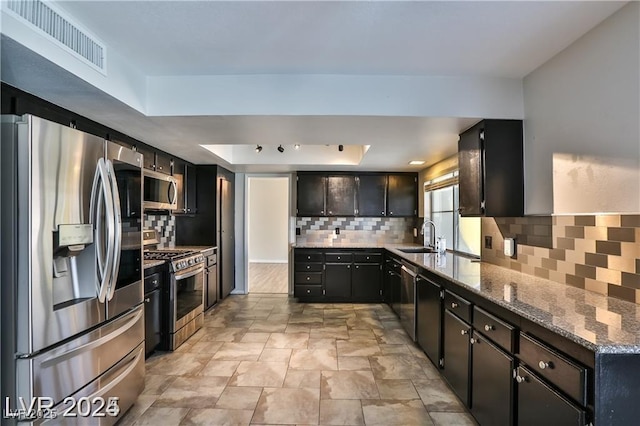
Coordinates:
(429,318)
(457,354)
(539,404)
(491,383)
(337,280)
(366,282)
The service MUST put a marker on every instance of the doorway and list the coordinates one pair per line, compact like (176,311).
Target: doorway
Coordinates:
(268,234)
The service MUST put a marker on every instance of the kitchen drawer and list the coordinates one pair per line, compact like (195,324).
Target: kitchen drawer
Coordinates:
(308,257)
(308,267)
(338,257)
(564,373)
(495,329)
(458,305)
(308,278)
(212,260)
(152,282)
(367,258)
(308,291)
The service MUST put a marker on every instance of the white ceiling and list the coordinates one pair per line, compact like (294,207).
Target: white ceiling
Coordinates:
(359,38)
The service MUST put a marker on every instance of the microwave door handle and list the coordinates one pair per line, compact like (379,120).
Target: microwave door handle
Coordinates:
(117,221)
(174,187)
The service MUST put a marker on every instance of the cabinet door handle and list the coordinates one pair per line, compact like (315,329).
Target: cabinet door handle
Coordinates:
(544,365)
(357,267)
(463,332)
(382,213)
(474,341)
(390,213)
(454,305)
(348,266)
(147,300)
(488,327)
(330,212)
(522,379)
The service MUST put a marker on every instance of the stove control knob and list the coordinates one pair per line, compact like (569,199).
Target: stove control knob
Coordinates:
(190,261)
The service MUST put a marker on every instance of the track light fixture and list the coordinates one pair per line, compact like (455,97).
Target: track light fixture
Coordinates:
(340,148)
(258,148)
(281,149)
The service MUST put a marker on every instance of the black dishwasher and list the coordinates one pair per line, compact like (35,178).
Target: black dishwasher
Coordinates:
(152,304)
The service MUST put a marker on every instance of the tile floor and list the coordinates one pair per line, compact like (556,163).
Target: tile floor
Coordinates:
(265,359)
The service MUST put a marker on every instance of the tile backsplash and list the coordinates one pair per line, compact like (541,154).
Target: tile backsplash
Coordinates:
(165,225)
(354,230)
(599,253)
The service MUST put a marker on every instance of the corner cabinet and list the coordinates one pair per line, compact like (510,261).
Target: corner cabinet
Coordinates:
(402,195)
(491,172)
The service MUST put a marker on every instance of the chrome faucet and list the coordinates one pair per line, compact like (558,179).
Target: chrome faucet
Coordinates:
(433,233)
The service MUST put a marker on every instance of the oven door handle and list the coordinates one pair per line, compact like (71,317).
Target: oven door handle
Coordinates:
(188,274)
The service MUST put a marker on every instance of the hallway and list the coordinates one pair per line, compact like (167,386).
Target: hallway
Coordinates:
(265,359)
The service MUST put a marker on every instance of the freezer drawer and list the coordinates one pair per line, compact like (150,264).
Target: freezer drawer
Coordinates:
(64,370)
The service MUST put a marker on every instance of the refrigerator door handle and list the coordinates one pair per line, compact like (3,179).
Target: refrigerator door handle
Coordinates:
(101,198)
(117,221)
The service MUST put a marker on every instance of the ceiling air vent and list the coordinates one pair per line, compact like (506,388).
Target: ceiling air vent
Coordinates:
(49,21)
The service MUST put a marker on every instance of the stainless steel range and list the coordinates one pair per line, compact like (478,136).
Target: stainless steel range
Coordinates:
(185,295)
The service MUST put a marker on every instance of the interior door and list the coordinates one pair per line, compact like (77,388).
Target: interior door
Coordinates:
(226,263)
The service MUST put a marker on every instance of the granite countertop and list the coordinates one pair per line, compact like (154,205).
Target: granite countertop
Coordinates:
(599,323)
(197,248)
(151,263)
(344,245)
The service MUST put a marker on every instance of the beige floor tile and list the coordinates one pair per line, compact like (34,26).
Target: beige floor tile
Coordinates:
(297,328)
(255,337)
(217,416)
(205,347)
(288,406)
(273,354)
(341,412)
(348,385)
(396,367)
(390,412)
(358,348)
(226,334)
(239,398)
(452,419)
(155,416)
(268,327)
(353,363)
(322,344)
(239,352)
(288,340)
(180,364)
(388,349)
(314,359)
(192,392)
(220,368)
(156,384)
(366,335)
(393,337)
(330,332)
(139,407)
(302,379)
(306,319)
(259,374)
(437,396)
(397,389)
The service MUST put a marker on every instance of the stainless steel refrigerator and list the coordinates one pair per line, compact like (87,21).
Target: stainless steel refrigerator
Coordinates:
(72,324)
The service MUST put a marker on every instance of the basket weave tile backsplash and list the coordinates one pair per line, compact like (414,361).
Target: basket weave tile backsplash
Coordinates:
(354,230)
(599,253)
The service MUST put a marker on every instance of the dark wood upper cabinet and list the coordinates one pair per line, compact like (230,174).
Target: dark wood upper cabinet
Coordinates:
(149,157)
(310,195)
(341,196)
(372,195)
(402,195)
(186,183)
(490,157)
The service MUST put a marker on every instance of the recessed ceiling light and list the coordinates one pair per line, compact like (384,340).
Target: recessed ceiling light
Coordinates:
(296,146)
(416,162)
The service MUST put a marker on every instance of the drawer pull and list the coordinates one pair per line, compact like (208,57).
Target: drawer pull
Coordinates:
(308,267)
(522,379)
(454,305)
(463,332)
(308,291)
(308,278)
(488,327)
(338,257)
(367,257)
(308,257)
(544,365)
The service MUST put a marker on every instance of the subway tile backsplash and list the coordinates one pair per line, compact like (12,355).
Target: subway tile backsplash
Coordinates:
(354,230)
(165,225)
(600,253)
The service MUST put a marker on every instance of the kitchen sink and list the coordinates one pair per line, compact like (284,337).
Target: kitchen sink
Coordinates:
(417,250)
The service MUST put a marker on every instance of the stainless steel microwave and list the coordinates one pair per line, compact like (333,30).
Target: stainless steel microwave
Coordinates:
(160,191)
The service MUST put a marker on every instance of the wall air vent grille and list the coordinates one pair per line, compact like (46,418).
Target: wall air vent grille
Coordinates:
(60,29)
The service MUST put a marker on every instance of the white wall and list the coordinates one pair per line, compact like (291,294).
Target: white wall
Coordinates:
(268,221)
(582,127)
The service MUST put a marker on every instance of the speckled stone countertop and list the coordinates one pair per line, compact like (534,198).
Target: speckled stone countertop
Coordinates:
(197,248)
(346,245)
(599,323)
